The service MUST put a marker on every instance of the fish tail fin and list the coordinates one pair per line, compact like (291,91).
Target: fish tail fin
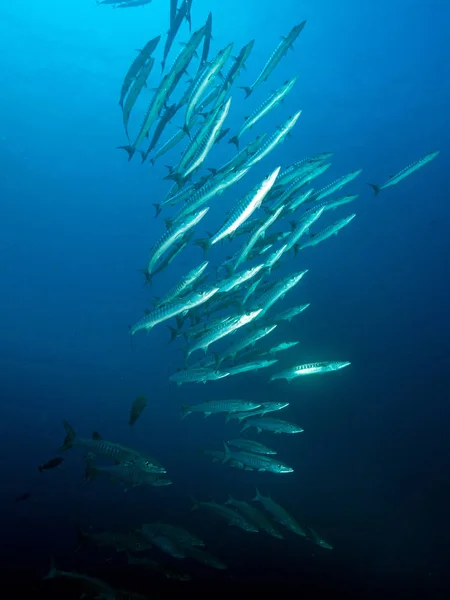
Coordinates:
(246,426)
(130,150)
(53,572)
(376,188)
(227,453)
(217,359)
(185,410)
(177,177)
(204,243)
(153,160)
(173,334)
(70,437)
(234,140)
(91,470)
(157,209)
(247,90)
(143,156)
(257,496)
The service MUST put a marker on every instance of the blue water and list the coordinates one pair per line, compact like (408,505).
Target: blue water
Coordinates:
(371,468)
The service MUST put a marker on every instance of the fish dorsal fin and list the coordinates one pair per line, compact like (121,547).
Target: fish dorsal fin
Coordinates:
(96,436)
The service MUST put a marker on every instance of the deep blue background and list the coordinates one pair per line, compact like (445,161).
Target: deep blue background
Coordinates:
(77,222)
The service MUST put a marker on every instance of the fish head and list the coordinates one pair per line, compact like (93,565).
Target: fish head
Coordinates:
(341,365)
(284,468)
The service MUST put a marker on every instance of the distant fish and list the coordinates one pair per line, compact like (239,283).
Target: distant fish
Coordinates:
(136,409)
(280,51)
(50,464)
(404,172)
(23,497)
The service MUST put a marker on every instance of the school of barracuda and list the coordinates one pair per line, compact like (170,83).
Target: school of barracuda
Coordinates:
(225,312)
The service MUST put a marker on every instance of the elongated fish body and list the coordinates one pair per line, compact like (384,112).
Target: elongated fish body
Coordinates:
(328,232)
(219,406)
(279,291)
(165,543)
(168,311)
(222,330)
(273,258)
(249,340)
(244,155)
(185,284)
(256,365)
(238,279)
(178,534)
(199,375)
(135,90)
(136,66)
(184,58)
(255,516)
(172,199)
(277,138)
(175,25)
(258,233)
(299,199)
(165,118)
(158,315)
(309,369)
(336,185)
(256,462)
(300,169)
(302,227)
(274,100)
(133,3)
(245,208)
(200,145)
(173,235)
(91,584)
(291,190)
(207,40)
(155,107)
(332,204)
(290,313)
(251,446)
(229,514)
(282,347)
(171,142)
(110,450)
(265,408)
(269,424)
(315,537)
(207,76)
(276,56)
(209,140)
(127,473)
(172,253)
(405,172)
(279,513)
(213,187)
(235,70)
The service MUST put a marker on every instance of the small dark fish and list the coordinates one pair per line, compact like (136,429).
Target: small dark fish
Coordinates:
(136,409)
(51,464)
(23,497)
